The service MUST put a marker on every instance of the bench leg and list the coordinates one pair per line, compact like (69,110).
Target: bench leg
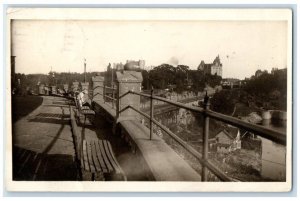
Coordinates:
(99,176)
(86,175)
(92,176)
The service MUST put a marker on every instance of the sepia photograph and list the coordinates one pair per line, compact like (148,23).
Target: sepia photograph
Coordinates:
(116,99)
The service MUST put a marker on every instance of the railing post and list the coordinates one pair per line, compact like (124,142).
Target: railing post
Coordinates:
(104,93)
(206,105)
(151,113)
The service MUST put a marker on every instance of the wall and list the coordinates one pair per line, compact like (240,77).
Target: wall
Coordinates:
(273,160)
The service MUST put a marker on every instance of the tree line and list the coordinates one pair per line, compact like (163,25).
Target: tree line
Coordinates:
(164,76)
(267,91)
(180,78)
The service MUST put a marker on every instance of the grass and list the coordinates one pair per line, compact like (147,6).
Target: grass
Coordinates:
(23,105)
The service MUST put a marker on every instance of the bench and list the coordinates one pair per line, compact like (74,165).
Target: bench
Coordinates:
(95,157)
(98,161)
(83,110)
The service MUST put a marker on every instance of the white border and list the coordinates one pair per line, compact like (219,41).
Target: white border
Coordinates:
(147,14)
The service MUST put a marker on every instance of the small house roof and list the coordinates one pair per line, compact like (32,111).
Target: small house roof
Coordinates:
(231,132)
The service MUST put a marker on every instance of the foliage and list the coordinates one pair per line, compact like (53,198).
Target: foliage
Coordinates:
(267,90)
(165,76)
(162,76)
(224,101)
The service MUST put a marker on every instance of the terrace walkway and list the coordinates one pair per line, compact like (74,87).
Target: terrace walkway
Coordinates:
(43,146)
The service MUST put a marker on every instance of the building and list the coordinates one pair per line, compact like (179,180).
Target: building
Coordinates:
(230,83)
(226,140)
(110,74)
(260,72)
(118,66)
(137,64)
(276,70)
(214,68)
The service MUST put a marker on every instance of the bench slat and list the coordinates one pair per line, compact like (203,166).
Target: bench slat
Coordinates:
(88,112)
(85,108)
(94,156)
(111,156)
(85,157)
(100,157)
(90,158)
(109,167)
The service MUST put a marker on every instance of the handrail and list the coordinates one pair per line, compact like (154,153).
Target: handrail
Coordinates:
(276,136)
(106,87)
(191,108)
(189,148)
(111,98)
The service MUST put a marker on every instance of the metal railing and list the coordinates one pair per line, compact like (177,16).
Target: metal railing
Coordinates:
(112,90)
(275,136)
(178,98)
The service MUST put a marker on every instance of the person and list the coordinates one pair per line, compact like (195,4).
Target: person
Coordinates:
(82,98)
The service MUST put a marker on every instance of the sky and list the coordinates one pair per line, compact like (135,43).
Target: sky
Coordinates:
(243,46)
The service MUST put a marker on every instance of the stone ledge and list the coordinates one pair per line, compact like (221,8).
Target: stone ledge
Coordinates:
(164,163)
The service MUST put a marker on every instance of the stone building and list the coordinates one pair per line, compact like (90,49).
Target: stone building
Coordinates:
(118,66)
(138,64)
(214,68)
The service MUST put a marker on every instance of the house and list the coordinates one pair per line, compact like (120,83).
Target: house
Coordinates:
(227,140)
(214,68)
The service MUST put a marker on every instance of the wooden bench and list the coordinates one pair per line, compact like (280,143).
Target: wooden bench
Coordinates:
(96,157)
(98,161)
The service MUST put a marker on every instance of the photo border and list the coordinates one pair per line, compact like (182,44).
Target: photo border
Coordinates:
(30,186)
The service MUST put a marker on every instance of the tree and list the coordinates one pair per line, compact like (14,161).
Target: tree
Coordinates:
(224,101)
(162,76)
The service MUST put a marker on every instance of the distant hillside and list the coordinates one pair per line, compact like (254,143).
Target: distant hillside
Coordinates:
(268,91)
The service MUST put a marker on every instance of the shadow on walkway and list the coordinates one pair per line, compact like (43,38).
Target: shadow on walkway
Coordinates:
(32,166)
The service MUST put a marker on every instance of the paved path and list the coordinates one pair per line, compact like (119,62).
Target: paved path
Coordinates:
(43,144)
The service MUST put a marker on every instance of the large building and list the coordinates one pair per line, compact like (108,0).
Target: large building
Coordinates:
(118,66)
(214,68)
(138,64)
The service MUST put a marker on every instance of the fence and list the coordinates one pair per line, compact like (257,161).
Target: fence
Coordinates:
(275,136)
